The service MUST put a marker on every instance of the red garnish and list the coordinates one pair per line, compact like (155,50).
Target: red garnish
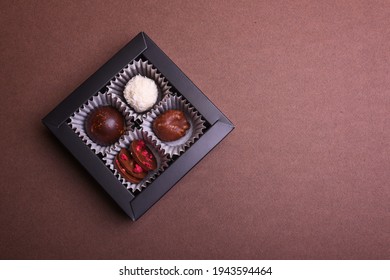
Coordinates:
(137,169)
(141,143)
(124,157)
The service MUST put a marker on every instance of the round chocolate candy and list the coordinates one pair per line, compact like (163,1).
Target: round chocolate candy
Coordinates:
(170,125)
(105,125)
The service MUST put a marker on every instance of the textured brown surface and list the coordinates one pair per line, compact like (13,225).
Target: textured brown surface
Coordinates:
(305,174)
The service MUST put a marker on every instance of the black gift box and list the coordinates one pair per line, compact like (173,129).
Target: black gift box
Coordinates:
(137,203)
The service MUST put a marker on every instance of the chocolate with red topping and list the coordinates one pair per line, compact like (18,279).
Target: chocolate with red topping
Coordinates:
(142,155)
(128,167)
(124,172)
(129,164)
(134,164)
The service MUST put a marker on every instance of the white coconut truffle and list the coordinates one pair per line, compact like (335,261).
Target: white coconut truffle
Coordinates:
(141,93)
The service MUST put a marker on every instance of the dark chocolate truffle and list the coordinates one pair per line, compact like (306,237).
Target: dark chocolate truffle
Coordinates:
(105,125)
(170,125)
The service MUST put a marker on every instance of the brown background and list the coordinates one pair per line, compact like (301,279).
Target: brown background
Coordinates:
(305,174)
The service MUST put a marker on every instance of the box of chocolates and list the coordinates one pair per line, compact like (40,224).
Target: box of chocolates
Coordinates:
(138,125)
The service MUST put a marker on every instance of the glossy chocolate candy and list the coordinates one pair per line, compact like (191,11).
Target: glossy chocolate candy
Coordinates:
(105,125)
(142,155)
(170,125)
(128,167)
(131,166)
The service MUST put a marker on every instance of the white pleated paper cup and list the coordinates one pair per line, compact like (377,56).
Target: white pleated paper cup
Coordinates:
(159,154)
(78,119)
(193,117)
(146,69)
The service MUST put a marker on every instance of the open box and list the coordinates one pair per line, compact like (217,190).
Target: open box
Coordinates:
(135,204)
